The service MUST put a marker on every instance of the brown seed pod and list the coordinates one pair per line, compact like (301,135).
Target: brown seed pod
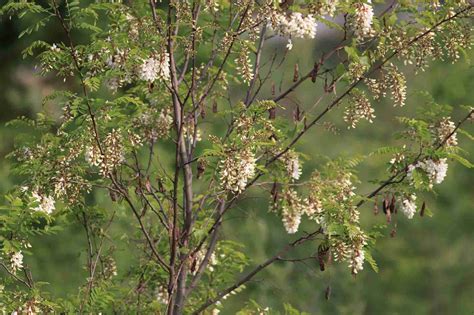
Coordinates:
(148,185)
(393,233)
(389,216)
(327,293)
(392,204)
(315,71)
(385,206)
(272,113)
(423,208)
(296,73)
(201,167)
(376,207)
(214,107)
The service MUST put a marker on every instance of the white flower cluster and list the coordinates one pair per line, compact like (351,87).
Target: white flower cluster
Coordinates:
(155,68)
(44,203)
(112,155)
(236,170)
(409,206)
(356,263)
(155,126)
(296,25)
(436,170)
(16,261)
(358,108)
(328,7)
(351,250)
(362,19)
(244,66)
(291,219)
(293,166)
(444,131)
(292,210)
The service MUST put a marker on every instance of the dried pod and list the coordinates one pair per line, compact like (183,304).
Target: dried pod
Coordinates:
(214,107)
(275,192)
(201,167)
(385,206)
(296,73)
(314,73)
(297,114)
(148,185)
(423,208)
(327,293)
(272,113)
(389,216)
(203,112)
(113,195)
(273,89)
(393,233)
(376,207)
(392,204)
(322,255)
(161,188)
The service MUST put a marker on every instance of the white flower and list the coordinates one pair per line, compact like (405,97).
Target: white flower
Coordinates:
(291,219)
(363,19)
(409,206)
(293,167)
(436,170)
(154,68)
(16,261)
(236,170)
(357,260)
(45,203)
(294,26)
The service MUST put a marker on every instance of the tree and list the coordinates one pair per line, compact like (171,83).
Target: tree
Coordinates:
(154,81)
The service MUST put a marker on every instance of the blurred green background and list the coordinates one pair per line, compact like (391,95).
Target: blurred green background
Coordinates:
(427,268)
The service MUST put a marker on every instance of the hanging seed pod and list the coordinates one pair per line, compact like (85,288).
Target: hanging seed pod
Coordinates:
(315,71)
(297,114)
(150,87)
(393,233)
(327,293)
(272,113)
(423,208)
(274,192)
(193,266)
(322,256)
(203,112)
(214,107)
(201,167)
(296,73)
(273,89)
(161,188)
(148,185)
(385,205)
(376,207)
(389,216)
(392,204)
(113,195)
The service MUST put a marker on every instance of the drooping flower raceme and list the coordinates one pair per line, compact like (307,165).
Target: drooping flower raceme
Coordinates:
(295,25)
(291,211)
(44,203)
(16,261)
(362,19)
(155,68)
(444,131)
(236,170)
(435,170)
(293,166)
(409,206)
